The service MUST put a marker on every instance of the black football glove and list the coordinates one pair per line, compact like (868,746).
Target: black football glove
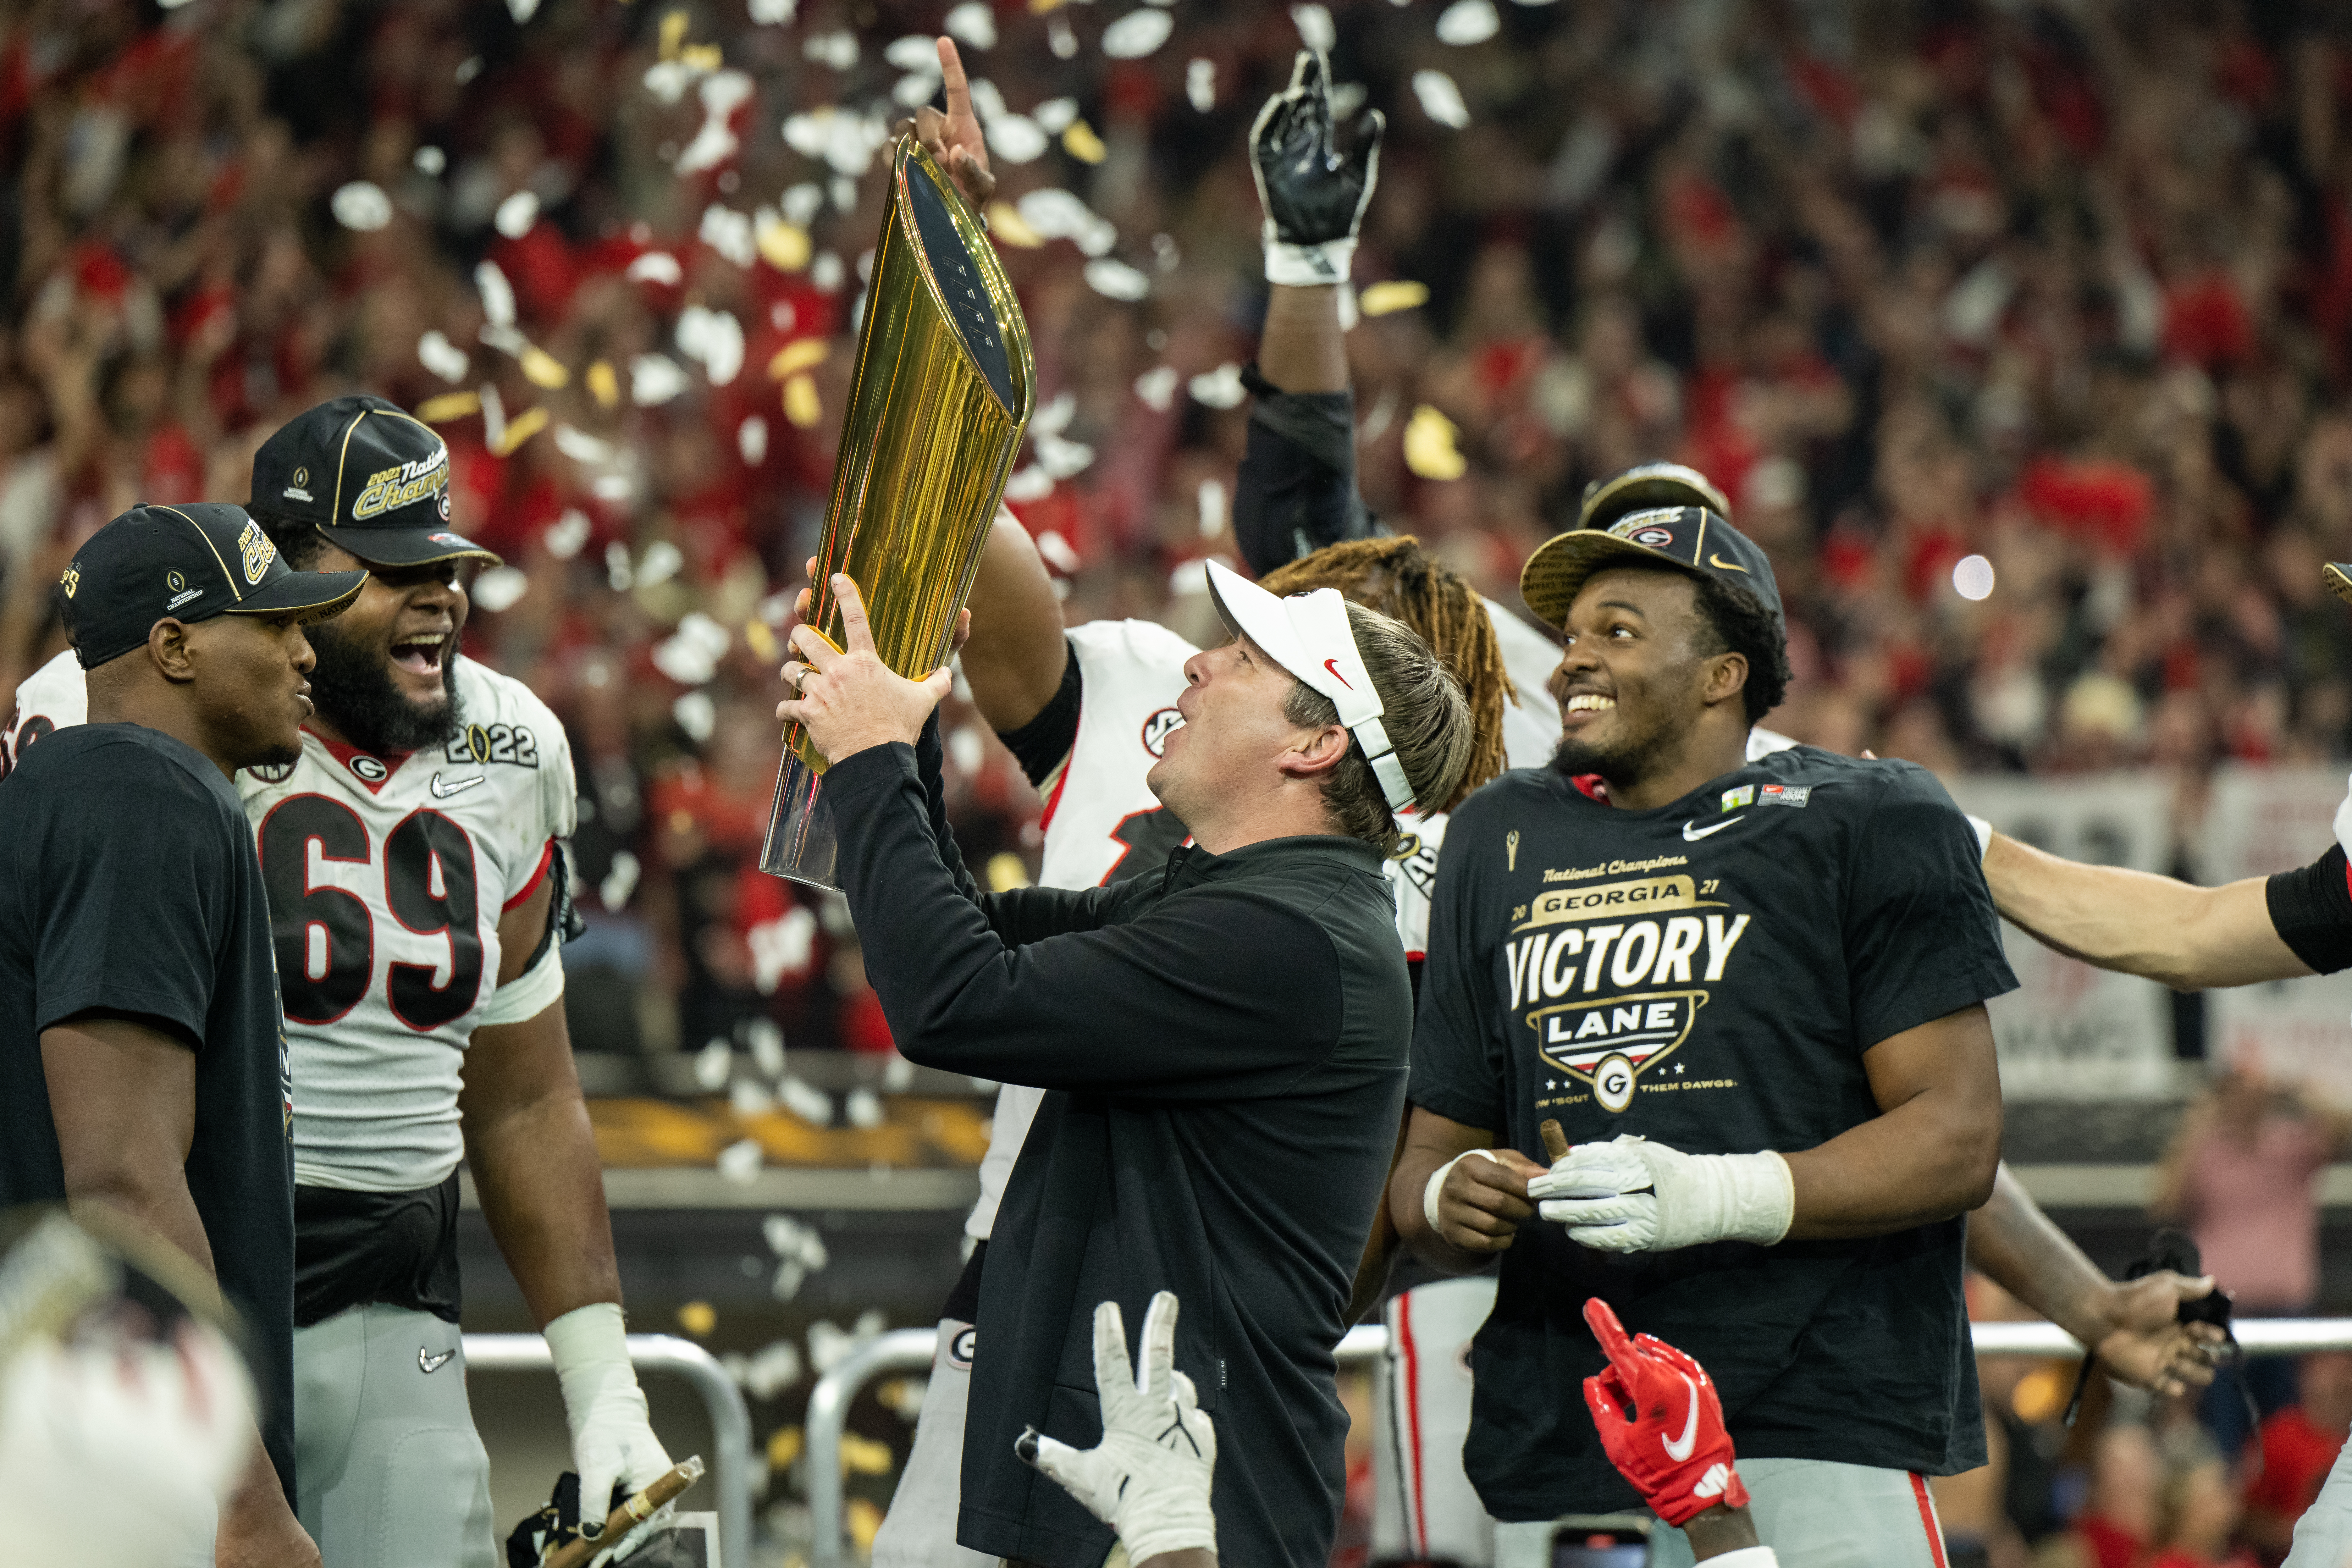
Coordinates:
(1313,195)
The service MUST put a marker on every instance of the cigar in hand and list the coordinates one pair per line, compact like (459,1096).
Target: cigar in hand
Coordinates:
(1555,1140)
(629,1515)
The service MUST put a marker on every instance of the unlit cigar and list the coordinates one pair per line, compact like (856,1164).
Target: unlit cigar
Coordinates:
(1555,1140)
(629,1515)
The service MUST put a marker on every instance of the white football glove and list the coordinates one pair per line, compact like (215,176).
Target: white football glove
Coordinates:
(1634,1195)
(1149,1478)
(612,1440)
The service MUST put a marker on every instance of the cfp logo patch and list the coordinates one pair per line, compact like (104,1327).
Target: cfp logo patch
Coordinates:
(1158,727)
(258,552)
(181,593)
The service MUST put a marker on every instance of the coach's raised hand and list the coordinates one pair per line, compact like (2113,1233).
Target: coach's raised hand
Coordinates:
(847,697)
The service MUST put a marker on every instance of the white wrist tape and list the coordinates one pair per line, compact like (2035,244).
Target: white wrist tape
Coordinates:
(1984,835)
(1307,266)
(1726,1198)
(590,1349)
(1437,1180)
(1746,1557)
(529,993)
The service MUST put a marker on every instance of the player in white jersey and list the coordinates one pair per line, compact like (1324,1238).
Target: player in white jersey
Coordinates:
(415,882)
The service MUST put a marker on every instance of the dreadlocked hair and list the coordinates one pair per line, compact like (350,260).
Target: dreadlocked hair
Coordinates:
(1397,577)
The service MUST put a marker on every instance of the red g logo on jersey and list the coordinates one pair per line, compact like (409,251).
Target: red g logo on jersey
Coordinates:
(1158,727)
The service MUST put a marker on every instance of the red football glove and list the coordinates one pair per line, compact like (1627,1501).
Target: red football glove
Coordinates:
(1660,1422)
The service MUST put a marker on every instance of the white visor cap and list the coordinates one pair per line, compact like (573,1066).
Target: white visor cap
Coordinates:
(1308,636)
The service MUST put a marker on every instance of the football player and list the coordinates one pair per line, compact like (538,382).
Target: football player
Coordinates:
(416,892)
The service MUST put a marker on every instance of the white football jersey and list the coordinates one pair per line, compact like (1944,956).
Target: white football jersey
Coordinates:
(387,877)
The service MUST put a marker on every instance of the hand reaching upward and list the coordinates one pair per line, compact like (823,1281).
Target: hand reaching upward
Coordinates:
(955,138)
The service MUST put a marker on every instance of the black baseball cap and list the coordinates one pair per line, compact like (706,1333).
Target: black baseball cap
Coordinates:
(190,563)
(373,478)
(1688,538)
(2338,580)
(1646,486)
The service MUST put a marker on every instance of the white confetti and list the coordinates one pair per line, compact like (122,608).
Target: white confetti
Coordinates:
(1314,28)
(567,535)
(780,947)
(739,1161)
(973,22)
(1213,508)
(751,441)
(808,131)
(1347,96)
(619,882)
(467,70)
(864,1109)
(714,337)
(1467,22)
(775,13)
(1061,458)
(686,659)
(802,202)
(915,52)
(729,234)
(445,359)
(1115,279)
(837,49)
(766,1039)
(1157,388)
(696,714)
(1200,85)
(618,573)
(897,1075)
(712,1064)
(655,266)
(985,100)
(669,80)
(1136,34)
(1060,39)
(522,10)
(1440,99)
(494,414)
(581,447)
(1054,115)
(499,588)
(659,563)
(1059,556)
(715,141)
(498,294)
(1017,139)
(827,272)
(429,162)
(772,1370)
(1220,388)
(653,380)
(844,193)
(914,91)
(806,1100)
(1056,417)
(361,206)
(1032,483)
(748,1097)
(1056,214)
(516,215)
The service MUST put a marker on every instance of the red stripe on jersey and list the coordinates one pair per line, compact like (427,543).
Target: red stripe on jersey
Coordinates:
(545,860)
(1046,818)
(1412,1419)
(1927,1519)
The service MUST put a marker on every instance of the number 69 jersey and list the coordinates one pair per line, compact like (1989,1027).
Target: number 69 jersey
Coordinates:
(387,876)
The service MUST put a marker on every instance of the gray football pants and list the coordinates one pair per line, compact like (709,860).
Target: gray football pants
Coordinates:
(1814,1514)
(2323,1536)
(389,1470)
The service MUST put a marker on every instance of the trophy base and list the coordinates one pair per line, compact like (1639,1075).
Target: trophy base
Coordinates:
(801,843)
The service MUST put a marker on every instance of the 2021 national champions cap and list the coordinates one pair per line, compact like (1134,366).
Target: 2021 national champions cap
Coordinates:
(188,563)
(1689,538)
(373,476)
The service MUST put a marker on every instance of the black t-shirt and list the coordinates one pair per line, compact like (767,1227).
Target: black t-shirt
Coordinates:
(1707,975)
(129,887)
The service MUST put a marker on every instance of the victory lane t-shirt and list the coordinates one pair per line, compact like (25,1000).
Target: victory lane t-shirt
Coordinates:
(1709,974)
(129,887)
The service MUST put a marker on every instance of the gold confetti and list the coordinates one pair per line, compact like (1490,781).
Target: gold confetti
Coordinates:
(604,385)
(761,640)
(1006,871)
(543,370)
(1006,225)
(866,1456)
(784,1445)
(800,404)
(702,57)
(800,354)
(1396,294)
(783,246)
(447,406)
(673,32)
(521,428)
(1079,141)
(698,1318)
(1039,7)
(865,1519)
(1429,449)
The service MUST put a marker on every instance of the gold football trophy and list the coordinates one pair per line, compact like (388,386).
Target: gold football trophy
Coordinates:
(944,386)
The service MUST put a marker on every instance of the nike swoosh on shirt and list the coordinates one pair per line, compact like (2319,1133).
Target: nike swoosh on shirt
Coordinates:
(440,792)
(1693,832)
(429,1365)
(1680,1450)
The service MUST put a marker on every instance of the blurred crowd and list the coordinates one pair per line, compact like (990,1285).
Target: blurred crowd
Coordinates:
(2016,331)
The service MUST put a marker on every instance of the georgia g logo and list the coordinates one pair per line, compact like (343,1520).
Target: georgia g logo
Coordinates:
(1656,538)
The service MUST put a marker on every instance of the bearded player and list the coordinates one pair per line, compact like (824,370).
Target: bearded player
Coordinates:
(416,889)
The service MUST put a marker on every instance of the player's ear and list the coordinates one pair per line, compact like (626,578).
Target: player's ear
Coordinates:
(1726,678)
(1315,756)
(170,649)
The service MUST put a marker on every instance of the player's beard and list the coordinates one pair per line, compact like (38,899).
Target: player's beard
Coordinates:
(1623,763)
(355,692)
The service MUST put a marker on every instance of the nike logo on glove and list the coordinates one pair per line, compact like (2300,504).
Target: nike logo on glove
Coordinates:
(1680,1450)
(1692,831)
(429,1365)
(442,792)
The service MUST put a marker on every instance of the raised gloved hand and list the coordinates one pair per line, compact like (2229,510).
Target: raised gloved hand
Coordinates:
(1634,1195)
(1149,1478)
(612,1440)
(1660,1421)
(1313,195)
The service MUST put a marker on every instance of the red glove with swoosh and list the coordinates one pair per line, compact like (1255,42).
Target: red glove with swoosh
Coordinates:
(1660,1422)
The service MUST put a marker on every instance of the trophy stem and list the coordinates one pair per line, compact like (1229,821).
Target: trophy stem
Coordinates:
(802,843)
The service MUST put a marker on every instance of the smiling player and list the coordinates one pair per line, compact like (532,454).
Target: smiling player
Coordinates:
(416,893)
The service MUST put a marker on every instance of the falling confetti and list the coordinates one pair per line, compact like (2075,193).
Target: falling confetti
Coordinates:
(429,162)
(1467,22)
(1115,279)
(802,202)
(655,380)
(1056,214)
(751,441)
(1016,139)
(567,535)
(498,589)
(739,1161)
(766,1039)
(619,882)
(655,266)
(712,1065)
(1397,294)
(604,385)
(746,1098)
(542,369)
(498,294)
(837,51)
(1056,417)
(773,13)
(801,404)
(825,272)
(800,354)
(1429,446)
(1136,34)
(1007,227)
(1440,99)
(698,1318)
(1060,39)
(1157,388)
(1032,483)
(445,359)
(449,406)
(729,233)
(715,140)
(864,1109)
(581,447)
(777,1366)
(713,337)
(520,428)
(659,563)
(1200,85)
(1213,508)
(806,1100)
(1062,459)
(361,206)
(915,52)
(1080,141)
(973,22)
(696,714)
(1218,388)
(1314,28)
(517,214)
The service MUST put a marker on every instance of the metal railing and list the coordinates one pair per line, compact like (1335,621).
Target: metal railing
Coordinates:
(730,1422)
(904,1350)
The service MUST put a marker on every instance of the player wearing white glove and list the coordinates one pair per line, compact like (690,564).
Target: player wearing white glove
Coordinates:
(1633,1195)
(1148,1478)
